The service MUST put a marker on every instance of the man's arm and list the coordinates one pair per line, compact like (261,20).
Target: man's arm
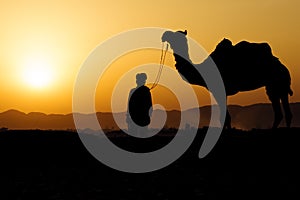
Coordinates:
(128,114)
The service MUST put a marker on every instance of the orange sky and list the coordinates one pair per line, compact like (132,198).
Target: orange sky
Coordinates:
(55,37)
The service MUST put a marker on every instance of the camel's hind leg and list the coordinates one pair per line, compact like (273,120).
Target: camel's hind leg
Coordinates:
(277,112)
(228,120)
(287,110)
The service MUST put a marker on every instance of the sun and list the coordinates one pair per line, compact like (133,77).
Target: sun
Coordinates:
(38,74)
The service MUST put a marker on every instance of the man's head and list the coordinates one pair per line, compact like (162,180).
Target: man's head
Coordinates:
(141,79)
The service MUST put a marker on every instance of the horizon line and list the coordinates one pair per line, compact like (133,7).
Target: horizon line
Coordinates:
(104,112)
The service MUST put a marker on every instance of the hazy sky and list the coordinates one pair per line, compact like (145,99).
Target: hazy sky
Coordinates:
(44,43)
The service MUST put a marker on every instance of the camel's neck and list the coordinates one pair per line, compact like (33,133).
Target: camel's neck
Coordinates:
(187,69)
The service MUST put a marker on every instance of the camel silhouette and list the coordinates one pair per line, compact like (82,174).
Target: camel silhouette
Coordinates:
(243,67)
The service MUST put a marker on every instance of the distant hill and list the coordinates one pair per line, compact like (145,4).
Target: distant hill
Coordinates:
(243,117)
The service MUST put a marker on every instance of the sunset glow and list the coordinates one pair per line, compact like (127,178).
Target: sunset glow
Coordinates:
(44,43)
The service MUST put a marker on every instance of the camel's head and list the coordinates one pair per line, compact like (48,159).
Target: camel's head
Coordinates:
(177,40)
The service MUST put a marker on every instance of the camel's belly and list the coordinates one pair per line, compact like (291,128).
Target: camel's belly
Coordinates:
(235,88)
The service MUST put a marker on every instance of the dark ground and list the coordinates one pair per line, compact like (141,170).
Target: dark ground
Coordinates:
(257,164)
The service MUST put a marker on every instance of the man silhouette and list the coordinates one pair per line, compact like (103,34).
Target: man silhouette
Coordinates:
(139,107)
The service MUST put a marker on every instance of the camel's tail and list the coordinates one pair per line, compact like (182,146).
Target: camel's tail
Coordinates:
(291,92)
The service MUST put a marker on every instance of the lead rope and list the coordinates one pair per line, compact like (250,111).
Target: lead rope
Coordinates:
(161,65)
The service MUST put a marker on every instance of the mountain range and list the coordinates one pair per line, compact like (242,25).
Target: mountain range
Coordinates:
(243,117)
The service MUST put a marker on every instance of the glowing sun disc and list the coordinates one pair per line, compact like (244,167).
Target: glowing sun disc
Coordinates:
(38,75)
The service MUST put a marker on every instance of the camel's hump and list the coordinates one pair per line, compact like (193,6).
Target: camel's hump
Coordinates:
(246,44)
